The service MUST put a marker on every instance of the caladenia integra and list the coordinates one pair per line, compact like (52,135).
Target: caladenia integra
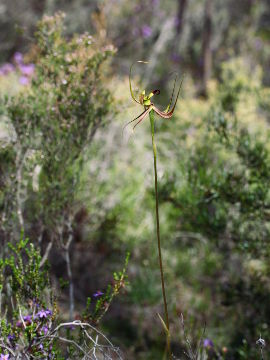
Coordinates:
(149,106)
(150,109)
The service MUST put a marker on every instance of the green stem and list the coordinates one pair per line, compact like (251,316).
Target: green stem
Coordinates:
(152,122)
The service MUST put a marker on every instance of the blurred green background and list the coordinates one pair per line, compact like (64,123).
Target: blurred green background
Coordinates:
(213,165)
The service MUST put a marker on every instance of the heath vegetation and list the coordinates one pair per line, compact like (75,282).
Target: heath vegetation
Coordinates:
(122,238)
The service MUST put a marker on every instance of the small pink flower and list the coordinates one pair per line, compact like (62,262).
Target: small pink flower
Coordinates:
(98,293)
(24,80)
(6,69)
(146,31)
(27,70)
(18,58)
(4,357)
(43,314)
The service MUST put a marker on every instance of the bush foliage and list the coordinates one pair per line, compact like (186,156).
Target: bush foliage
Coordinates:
(84,196)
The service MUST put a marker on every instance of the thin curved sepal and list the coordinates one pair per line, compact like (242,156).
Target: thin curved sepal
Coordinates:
(162,114)
(130,86)
(171,99)
(167,115)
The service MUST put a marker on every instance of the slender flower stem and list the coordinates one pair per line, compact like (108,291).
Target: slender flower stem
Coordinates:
(152,122)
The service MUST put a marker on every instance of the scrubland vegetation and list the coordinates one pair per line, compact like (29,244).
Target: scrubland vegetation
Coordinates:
(79,268)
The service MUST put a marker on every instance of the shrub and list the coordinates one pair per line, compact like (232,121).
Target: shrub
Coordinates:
(30,326)
(53,120)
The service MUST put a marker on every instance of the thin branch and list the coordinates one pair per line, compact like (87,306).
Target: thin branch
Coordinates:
(19,165)
(69,269)
(46,254)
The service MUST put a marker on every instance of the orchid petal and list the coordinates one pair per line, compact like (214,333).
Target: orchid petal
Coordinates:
(168,114)
(141,116)
(163,114)
(168,107)
(144,115)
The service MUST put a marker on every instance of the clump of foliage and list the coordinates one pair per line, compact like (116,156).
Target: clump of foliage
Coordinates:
(104,299)
(30,323)
(52,121)
(27,305)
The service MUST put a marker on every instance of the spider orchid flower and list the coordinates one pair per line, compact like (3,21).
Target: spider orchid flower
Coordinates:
(146,101)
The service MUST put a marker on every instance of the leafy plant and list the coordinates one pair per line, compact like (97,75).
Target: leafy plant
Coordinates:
(53,121)
(30,326)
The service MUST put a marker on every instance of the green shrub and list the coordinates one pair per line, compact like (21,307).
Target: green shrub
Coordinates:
(53,121)
(30,323)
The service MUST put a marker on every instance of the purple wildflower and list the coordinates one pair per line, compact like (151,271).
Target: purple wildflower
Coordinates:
(18,58)
(27,318)
(48,312)
(27,70)
(24,80)
(45,330)
(146,31)
(208,343)
(4,357)
(6,69)
(176,58)
(98,293)
(43,314)
(36,303)
(11,337)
